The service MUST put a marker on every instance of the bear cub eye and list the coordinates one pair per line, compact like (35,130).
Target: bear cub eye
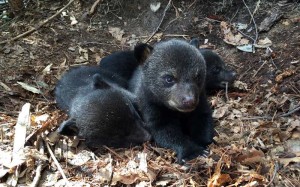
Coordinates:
(169,79)
(217,69)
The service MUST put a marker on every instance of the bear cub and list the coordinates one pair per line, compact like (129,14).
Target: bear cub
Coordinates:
(99,111)
(172,99)
(124,63)
(81,80)
(217,74)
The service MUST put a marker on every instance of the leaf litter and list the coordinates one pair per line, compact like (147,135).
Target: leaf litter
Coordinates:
(256,145)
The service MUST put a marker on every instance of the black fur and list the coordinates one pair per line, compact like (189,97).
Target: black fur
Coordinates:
(170,88)
(123,63)
(100,112)
(80,80)
(217,74)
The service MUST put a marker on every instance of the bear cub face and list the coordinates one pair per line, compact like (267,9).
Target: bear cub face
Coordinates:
(175,75)
(217,73)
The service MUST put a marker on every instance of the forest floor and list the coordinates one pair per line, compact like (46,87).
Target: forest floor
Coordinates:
(257,122)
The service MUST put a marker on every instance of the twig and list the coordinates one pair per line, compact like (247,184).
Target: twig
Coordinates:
(38,171)
(259,68)
(290,112)
(273,63)
(112,151)
(23,123)
(39,25)
(256,33)
(276,116)
(191,4)
(226,91)
(256,7)
(274,174)
(246,72)
(163,16)
(234,15)
(246,35)
(57,163)
(257,117)
(92,10)
(97,43)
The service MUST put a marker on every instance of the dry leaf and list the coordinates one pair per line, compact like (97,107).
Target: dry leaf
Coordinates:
(263,43)
(230,38)
(73,20)
(5,86)
(252,156)
(279,78)
(220,112)
(287,161)
(29,88)
(219,180)
(143,162)
(47,69)
(81,158)
(155,6)
(116,32)
(240,85)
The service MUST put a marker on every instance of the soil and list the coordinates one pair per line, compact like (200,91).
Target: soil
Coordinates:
(258,127)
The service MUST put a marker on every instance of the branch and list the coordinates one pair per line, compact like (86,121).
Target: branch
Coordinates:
(164,14)
(256,33)
(57,164)
(40,25)
(92,10)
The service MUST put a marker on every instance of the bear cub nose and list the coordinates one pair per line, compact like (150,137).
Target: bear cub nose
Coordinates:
(188,101)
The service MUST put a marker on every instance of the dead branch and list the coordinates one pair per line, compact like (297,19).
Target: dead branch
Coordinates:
(163,16)
(256,33)
(226,91)
(92,10)
(57,163)
(113,152)
(259,68)
(290,112)
(274,173)
(19,141)
(39,25)
(39,168)
(275,116)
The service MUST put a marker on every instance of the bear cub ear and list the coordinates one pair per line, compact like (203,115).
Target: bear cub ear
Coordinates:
(98,82)
(68,128)
(195,42)
(142,52)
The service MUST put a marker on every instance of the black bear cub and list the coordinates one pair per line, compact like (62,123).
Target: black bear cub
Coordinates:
(172,99)
(124,63)
(99,111)
(81,80)
(217,74)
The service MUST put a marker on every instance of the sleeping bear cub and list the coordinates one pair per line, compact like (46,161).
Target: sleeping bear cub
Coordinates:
(99,111)
(170,86)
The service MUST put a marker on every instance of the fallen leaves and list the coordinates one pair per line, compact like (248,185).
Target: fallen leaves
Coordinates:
(29,88)
(231,38)
(116,32)
(279,78)
(218,178)
(251,156)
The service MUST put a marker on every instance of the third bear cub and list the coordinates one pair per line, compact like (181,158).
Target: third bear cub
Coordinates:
(170,86)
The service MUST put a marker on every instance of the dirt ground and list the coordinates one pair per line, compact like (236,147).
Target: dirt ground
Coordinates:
(257,122)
